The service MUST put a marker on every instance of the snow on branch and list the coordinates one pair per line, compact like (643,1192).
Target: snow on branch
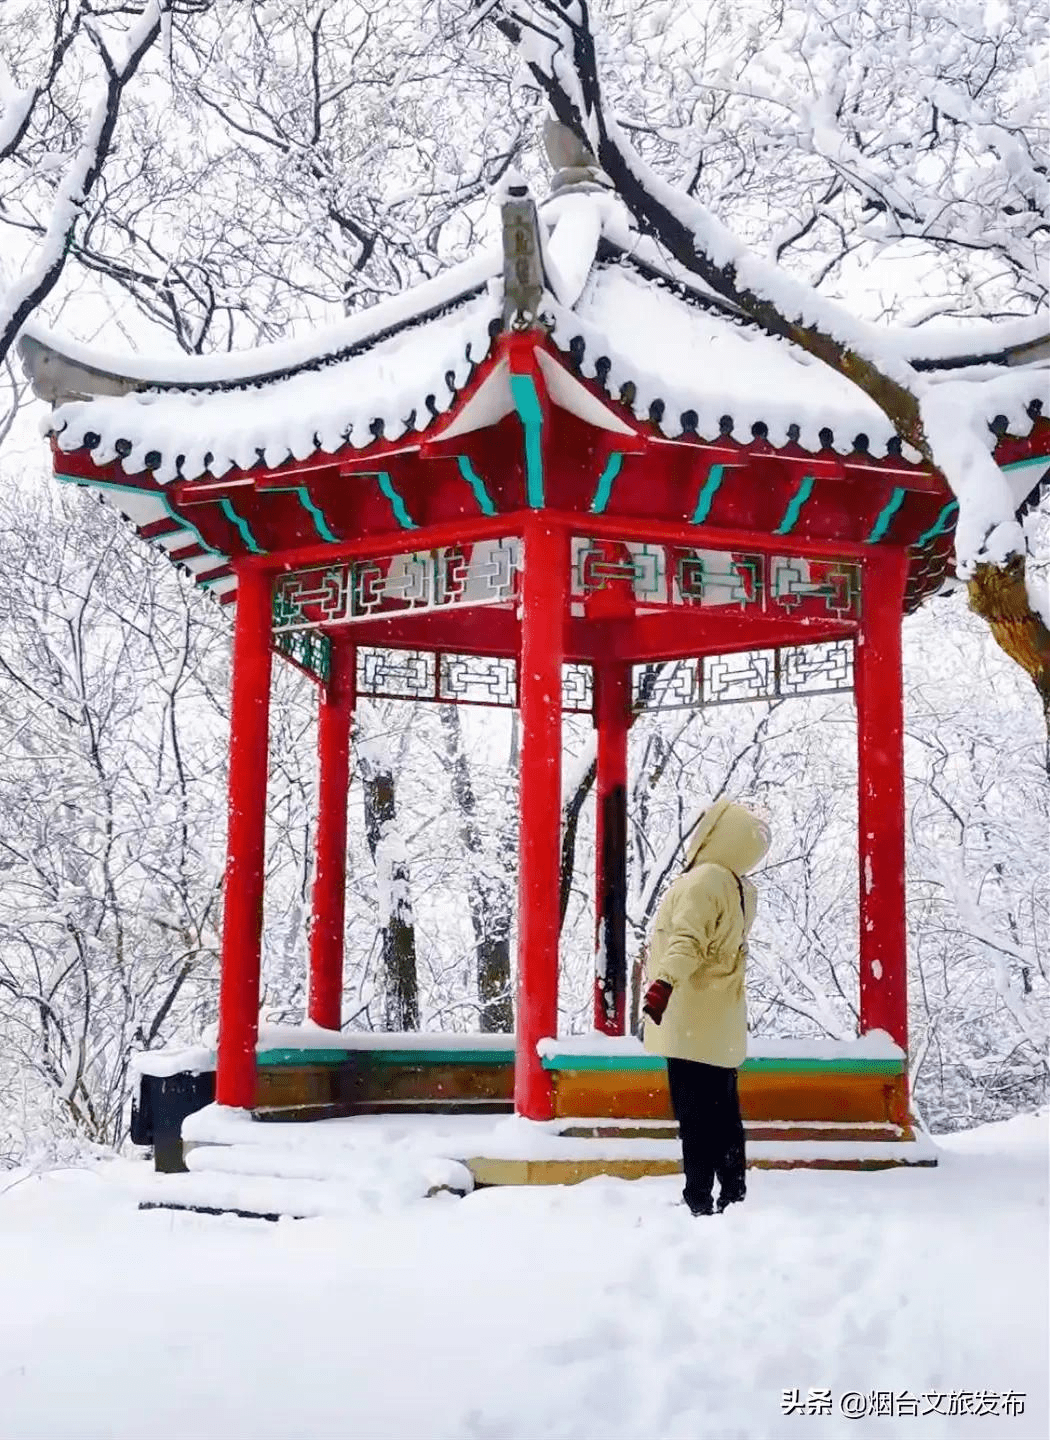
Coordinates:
(557,44)
(41,275)
(924,115)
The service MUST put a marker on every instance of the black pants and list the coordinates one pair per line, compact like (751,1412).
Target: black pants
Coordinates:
(707,1108)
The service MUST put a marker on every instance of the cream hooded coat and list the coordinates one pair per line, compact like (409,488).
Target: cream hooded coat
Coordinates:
(699,941)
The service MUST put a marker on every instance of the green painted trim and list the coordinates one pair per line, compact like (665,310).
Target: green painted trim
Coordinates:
(242,525)
(777,1064)
(603,1062)
(384,1057)
(882,524)
(767,1064)
(315,512)
(1027,464)
(386,485)
(530,413)
(862,1065)
(301,1057)
(437,1056)
(706,497)
(795,504)
(613,466)
(474,480)
(939,525)
(180,520)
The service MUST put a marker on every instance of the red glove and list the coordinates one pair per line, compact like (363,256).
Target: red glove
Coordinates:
(656,998)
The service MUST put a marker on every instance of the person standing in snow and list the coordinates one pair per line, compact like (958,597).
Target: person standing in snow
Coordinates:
(695,1006)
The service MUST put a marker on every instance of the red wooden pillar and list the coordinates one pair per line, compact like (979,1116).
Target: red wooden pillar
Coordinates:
(879,692)
(544,594)
(612,707)
(246,841)
(335,710)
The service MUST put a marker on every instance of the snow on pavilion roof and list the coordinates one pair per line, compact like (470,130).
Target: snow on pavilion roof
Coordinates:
(618,312)
(672,354)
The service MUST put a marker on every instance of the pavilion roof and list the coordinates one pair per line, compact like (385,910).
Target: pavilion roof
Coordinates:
(673,352)
(663,348)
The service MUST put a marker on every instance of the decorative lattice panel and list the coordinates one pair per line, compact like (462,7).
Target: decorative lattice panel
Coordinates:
(601,565)
(484,573)
(384,674)
(674,685)
(816,669)
(747,676)
(478,680)
(828,586)
(577,688)
(661,576)
(396,674)
(308,649)
(790,672)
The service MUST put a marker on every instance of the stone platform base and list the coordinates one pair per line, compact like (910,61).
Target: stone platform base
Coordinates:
(239,1165)
(826,1105)
(570,1152)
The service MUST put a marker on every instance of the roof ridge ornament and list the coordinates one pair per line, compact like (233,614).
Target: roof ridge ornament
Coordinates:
(523,279)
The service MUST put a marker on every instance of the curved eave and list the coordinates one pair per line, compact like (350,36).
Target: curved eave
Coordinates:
(60,370)
(156,524)
(397,386)
(148,503)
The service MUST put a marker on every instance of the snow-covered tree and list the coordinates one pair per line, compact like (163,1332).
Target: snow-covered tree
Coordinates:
(66,71)
(216,174)
(112,700)
(920,119)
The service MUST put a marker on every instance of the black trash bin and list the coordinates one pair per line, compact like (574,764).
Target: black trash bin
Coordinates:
(162,1105)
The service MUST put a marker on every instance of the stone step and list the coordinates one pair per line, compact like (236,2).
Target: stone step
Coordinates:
(253,1197)
(292,1114)
(269,1181)
(576,1165)
(245,1168)
(787,1131)
(239,1180)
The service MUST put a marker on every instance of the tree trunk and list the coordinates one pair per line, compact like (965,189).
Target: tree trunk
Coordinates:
(397,924)
(999,595)
(569,829)
(488,895)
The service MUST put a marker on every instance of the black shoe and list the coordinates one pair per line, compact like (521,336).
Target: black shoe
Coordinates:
(735,1197)
(703,1206)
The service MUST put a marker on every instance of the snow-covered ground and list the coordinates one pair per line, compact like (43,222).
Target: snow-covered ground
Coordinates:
(597,1312)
